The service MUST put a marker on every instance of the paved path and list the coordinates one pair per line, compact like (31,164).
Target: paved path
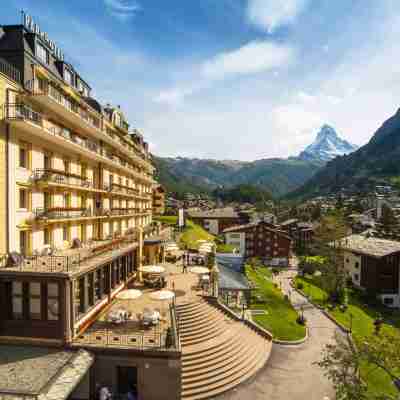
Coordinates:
(290,373)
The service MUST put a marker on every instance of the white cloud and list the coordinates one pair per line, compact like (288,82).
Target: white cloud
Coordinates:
(172,97)
(252,58)
(271,14)
(122,9)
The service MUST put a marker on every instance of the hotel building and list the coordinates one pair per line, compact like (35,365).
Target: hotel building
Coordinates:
(75,213)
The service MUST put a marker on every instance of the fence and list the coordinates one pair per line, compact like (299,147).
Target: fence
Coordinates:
(10,71)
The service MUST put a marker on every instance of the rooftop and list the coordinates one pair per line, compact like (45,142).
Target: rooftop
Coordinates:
(215,213)
(30,371)
(370,246)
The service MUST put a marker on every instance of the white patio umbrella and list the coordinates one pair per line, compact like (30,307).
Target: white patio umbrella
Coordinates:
(162,295)
(152,269)
(200,270)
(129,294)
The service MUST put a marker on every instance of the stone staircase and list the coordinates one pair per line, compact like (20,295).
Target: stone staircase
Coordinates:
(218,352)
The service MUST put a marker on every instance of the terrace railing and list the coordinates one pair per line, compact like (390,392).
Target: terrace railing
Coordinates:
(60,177)
(10,71)
(62,212)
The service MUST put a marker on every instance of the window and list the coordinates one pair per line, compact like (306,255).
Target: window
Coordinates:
(67,199)
(23,156)
(47,161)
(35,301)
(41,53)
(52,302)
(357,265)
(47,200)
(23,243)
(16,293)
(23,198)
(66,233)
(67,165)
(47,236)
(68,76)
(388,301)
(356,277)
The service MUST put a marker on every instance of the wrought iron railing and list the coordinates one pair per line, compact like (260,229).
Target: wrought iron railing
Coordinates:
(62,212)
(10,71)
(19,111)
(60,177)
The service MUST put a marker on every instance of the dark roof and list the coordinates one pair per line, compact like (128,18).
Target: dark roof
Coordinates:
(214,213)
(28,370)
(94,104)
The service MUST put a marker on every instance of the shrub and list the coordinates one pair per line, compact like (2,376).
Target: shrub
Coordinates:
(300,285)
(286,298)
(276,271)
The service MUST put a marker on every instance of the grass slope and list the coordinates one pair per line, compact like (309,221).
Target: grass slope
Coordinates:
(281,317)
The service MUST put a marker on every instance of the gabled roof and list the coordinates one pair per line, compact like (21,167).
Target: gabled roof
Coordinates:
(370,246)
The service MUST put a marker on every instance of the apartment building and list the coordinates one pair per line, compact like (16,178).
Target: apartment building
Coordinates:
(260,239)
(75,209)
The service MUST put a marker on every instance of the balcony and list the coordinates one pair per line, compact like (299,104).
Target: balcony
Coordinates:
(120,212)
(61,178)
(82,118)
(33,123)
(60,213)
(71,260)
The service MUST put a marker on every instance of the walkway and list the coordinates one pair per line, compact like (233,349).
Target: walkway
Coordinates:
(290,372)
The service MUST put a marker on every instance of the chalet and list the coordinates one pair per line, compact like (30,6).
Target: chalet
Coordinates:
(260,239)
(302,233)
(216,220)
(373,264)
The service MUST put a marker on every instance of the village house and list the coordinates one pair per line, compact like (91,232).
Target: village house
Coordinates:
(260,239)
(373,264)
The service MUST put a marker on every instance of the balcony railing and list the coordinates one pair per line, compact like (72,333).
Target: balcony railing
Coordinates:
(18,111)
(60,177)
(10,71)
(62,213)
(67,262)
(115,187)
(89,115)
(123,211)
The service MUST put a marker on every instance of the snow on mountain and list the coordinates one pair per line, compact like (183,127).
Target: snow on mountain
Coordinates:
(327,146)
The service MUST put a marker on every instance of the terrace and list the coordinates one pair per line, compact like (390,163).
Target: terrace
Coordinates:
(131,334)
(72,261)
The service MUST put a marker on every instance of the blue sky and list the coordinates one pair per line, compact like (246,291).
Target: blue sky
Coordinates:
(232,79)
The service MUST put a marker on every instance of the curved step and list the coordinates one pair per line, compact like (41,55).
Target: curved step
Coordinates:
(202,327)
(218,367)
(223,354)
(188,320)
(216,385)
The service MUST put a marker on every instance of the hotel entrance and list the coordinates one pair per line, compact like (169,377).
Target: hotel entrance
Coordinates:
(127,381)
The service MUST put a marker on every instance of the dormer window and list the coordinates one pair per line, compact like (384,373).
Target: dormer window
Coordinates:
(68,76)
(42,54)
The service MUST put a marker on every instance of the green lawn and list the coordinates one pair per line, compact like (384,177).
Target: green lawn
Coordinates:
(191,235)
(281,317)
(167,219)
(225,248)
(362,317)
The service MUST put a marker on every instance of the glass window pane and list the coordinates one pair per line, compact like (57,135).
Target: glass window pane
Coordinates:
(52,289)
(17,307)
(34,289)
(17,288)
(34,308)
(52,310)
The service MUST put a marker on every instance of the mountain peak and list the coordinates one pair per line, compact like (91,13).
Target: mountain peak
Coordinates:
(327,146)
